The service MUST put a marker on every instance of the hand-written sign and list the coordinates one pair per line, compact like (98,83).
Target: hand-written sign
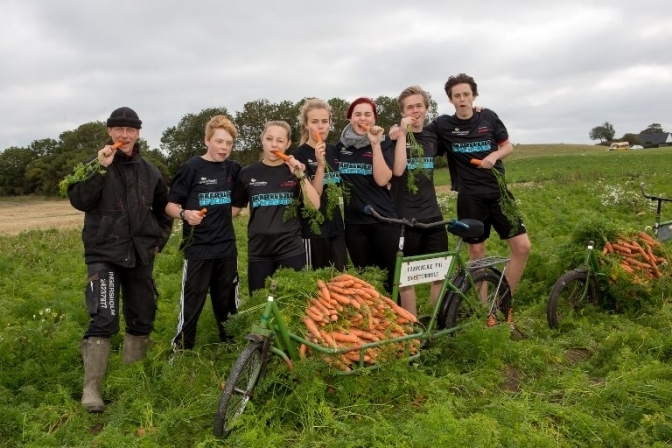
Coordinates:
(424,271)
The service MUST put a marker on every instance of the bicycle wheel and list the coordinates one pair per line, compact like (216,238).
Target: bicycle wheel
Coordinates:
(486,282)
(239,387)
(568,296)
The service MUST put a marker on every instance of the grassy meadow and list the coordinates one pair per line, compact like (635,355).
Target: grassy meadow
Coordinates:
(604,379)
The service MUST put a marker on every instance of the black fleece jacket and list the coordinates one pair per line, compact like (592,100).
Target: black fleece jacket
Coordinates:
(124,211)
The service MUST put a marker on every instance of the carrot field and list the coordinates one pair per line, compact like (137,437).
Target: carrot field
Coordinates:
(604,379)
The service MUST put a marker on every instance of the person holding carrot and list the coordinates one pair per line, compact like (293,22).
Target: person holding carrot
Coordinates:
(321,161)
(366,161)
(200,195)
(413,186)
(274,188)
(481,135)
(125,226)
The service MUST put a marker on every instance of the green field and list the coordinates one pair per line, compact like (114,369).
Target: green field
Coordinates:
(602,380)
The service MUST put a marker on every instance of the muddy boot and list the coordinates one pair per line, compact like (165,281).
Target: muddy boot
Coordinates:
(135,348)
(94,353)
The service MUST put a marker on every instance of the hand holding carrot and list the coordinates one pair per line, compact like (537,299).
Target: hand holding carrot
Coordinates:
(106,155)
(320,150)
(294,165)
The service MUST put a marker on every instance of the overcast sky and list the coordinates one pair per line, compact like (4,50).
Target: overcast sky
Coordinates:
(552,70)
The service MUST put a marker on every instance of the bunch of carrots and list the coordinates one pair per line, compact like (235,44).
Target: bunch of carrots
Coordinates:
(348,313)
(636,254)
(83,171)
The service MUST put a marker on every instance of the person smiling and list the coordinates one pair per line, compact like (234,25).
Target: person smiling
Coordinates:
(366,161)
(270,187)
(208,239)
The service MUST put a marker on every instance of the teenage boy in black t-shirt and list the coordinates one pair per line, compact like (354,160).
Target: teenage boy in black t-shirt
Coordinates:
(467,135)
(418,203)
(208,240)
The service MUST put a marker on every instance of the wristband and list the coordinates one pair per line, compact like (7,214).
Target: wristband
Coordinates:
(182,214)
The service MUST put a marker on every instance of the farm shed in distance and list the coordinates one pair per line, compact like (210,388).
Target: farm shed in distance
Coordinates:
(657,140)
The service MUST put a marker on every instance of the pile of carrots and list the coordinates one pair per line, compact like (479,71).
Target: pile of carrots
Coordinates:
(636,254)
(348,313)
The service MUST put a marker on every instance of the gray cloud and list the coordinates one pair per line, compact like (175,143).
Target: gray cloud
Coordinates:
(551,70)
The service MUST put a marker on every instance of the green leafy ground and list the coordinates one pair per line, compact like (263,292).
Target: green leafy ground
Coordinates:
(602,380)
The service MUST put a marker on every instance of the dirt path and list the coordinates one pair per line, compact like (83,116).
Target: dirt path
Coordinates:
(17,217)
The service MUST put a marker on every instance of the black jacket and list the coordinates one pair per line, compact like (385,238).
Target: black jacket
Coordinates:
(124,211)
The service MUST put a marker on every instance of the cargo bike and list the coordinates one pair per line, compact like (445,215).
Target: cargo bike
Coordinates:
(472,292)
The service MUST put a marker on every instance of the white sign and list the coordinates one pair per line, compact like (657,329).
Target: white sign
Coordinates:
(424,271)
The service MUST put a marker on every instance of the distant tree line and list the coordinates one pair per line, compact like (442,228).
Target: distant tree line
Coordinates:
(605,133)
(38,168)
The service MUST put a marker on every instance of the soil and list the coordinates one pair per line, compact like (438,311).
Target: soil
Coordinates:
(17,217)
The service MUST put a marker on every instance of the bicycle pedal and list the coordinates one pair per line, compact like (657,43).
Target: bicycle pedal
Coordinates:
(492,321)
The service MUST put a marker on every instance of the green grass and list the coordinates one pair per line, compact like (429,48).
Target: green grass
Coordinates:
(605,380)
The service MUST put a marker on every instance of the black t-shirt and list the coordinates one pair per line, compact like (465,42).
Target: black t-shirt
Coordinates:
(306,155)
(474,138)
(269,190)
(202,184)
(422,204)
(360,189)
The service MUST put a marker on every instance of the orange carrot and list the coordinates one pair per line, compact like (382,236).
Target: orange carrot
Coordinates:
(610,249)
(202,211)
(328,339)
(281,155)
(318,137)
(315,314)
(364,335)
(620,248)
(647,238)
(364,127)
(302,351)
(627,268)
(340,298)
(476,162)
(117,145)
(399,310)
(312,327)
(343,337)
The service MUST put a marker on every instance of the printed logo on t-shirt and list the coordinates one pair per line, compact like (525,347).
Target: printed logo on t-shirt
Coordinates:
(471,147)
(457,131)
(257,183)
(365,169)
(271,199)
(214,198)
(289,183)
(346,152)
(482,129)
(422,163)
(206,181)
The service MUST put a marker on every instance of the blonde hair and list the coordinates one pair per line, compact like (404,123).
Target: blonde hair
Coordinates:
(279,123)
(310,104)
(220,122)
(412,90)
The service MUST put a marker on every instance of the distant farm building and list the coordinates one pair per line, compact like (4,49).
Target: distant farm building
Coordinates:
(657,140)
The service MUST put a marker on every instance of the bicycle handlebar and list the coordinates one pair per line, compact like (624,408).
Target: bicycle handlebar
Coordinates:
(653,198)
(467,229)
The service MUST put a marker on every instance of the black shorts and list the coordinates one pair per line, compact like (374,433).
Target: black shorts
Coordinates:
(486,209)
(425,241)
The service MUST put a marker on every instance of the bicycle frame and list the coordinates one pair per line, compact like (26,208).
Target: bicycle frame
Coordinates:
(592,266)
(273,331)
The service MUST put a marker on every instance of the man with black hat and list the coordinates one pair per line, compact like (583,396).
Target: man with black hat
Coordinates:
(125,226)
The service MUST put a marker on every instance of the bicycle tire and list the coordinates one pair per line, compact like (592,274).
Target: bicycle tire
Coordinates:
(566,298)
(457,314)
(242,380)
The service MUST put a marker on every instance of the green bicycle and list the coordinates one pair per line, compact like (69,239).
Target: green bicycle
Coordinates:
(471,293)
